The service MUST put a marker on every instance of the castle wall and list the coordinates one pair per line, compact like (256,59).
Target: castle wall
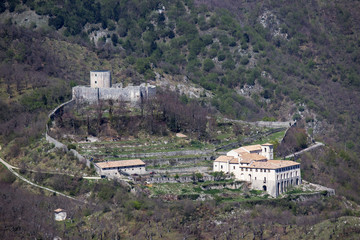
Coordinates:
(127,94)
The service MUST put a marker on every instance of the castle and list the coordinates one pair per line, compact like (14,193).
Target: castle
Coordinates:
(255,164)
(101,89)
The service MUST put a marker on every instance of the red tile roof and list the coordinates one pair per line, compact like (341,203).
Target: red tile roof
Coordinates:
(121,163)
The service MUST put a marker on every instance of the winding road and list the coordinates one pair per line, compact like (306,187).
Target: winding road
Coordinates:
(11,169)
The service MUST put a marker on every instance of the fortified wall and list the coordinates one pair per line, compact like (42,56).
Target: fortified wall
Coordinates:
(101,89)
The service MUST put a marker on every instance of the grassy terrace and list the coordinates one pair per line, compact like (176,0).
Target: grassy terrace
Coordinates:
(183,165)
(143,146)
(275,137)
(206,190)
(220,191)
(163,144)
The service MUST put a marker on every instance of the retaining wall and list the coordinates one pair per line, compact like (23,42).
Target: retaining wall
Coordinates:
(176,161)
(177,180)
(183,170)
(264,123)
(169,154)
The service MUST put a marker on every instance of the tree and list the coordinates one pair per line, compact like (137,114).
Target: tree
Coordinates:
(208,65)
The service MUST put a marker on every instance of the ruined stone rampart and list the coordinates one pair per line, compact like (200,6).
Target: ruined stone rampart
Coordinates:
(128,94)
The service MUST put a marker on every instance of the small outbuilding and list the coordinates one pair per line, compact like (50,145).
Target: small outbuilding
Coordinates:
(115,168)
(59,214)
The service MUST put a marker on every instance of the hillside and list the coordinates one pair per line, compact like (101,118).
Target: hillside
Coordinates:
(247,60)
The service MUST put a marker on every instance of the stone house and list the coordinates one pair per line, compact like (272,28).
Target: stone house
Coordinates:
(255,164)
(59,214)
(113,169)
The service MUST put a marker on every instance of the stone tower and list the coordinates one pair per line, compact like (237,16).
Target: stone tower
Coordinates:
(267,150)
(100,79)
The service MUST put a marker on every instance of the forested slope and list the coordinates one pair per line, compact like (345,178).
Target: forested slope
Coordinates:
(260,59)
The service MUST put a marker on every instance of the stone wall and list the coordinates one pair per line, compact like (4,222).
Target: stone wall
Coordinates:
(183,170)
(128,94)
(177,180)
(177,161)
(58,144)
(168,154)
(264,123)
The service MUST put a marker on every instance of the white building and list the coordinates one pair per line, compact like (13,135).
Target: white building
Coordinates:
(59,214)
(255,164)
(112,169)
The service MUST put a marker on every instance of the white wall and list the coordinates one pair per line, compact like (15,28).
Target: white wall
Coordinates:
(100,79)
(221,167)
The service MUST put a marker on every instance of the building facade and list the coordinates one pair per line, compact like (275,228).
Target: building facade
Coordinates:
(113,169)
(255,164)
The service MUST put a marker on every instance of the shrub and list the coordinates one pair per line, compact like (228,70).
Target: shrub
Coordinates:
(208,65)
(221,57)
(71,146)
(136,204)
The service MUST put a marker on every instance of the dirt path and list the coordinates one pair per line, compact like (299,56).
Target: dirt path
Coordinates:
(316,145)
(11,169)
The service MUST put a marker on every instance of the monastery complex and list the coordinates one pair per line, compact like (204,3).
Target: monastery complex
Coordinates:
(255,164)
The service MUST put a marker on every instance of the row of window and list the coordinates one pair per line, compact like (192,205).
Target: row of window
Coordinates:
(250,169)
(255,170)
(286,175)
(124,168)
(287,168)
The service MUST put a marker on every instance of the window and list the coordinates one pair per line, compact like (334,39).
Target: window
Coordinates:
(234,167)
(264,149)
(256,170)
(250,170)
(242,169)
(268,170)
(255,178)
(95,82)
(221,166)
(260,170)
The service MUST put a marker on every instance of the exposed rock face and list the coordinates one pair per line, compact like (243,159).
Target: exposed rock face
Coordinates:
(270,21)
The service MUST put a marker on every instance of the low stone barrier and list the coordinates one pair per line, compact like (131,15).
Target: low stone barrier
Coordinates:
(182,170)
(177,161)
(55,142)
(168,154)
(268,124)
(179,179)
(60,145)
